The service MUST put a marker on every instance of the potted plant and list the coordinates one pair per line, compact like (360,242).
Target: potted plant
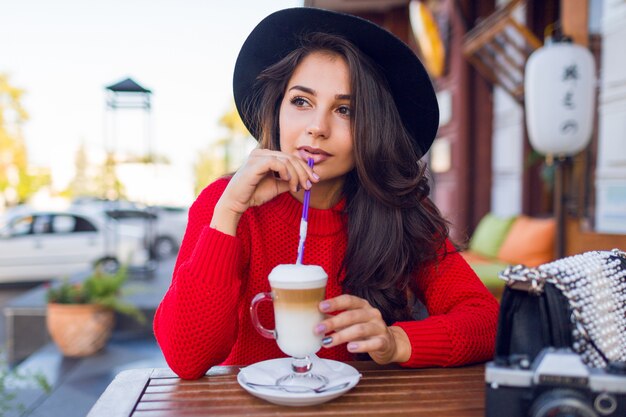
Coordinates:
(80,316)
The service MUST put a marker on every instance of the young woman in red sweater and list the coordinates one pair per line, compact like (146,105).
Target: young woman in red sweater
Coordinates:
(310,83)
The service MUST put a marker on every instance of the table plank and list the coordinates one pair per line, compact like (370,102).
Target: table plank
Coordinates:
(121,402)
(383,391)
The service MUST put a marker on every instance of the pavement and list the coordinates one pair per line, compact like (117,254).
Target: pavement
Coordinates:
(76,383)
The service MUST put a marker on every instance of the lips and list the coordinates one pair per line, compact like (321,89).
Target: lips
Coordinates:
(317,154)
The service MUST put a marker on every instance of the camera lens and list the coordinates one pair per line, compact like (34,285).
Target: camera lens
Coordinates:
(561,403)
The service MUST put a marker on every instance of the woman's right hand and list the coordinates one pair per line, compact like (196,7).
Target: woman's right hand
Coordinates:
(263,176)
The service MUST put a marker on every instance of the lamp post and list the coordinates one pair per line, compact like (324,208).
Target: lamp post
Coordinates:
(559,101)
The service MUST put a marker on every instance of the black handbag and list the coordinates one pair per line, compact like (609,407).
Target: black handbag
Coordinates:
(577,302)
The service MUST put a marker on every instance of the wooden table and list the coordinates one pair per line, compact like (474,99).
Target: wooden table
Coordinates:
(383,391)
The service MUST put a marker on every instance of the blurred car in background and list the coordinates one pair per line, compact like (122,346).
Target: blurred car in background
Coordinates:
(163,226)
(42,245)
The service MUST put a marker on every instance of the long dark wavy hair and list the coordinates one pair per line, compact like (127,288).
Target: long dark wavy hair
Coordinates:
(393,227)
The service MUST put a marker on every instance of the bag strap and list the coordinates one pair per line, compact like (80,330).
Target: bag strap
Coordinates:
(543,318)
(558,316)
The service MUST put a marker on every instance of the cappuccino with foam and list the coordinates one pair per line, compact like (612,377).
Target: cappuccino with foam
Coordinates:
(297,291)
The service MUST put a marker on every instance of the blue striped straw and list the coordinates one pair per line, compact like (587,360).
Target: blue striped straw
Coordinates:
(304,222)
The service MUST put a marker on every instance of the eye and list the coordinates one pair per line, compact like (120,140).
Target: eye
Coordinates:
(299,101)
(344,110)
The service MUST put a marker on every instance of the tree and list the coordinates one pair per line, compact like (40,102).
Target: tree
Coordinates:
(80,183)
(97,180)
(210,164)
(226,154)
(83,183)
(17,180)
(231,121)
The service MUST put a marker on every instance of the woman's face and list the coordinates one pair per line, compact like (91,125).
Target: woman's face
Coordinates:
(314,116)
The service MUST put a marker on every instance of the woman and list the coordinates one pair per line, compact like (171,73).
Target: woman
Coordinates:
(338,89)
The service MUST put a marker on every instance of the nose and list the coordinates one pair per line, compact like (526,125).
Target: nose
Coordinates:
(319,126)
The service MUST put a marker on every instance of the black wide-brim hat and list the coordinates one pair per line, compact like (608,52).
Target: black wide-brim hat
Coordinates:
(281,32)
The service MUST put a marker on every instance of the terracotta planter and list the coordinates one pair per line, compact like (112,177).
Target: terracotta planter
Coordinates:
(79,329)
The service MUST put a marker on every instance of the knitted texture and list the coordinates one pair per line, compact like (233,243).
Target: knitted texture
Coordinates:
(204,320)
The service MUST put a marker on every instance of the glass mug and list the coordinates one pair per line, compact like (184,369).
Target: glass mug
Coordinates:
(296,293)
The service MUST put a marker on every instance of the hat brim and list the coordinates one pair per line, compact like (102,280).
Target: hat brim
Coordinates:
(280,33)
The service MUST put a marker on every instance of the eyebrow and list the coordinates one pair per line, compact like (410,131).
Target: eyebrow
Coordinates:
(313,93)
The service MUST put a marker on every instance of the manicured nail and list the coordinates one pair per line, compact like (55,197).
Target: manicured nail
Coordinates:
(308,184)
(320,329)
(317,177)
(324,306)
(353,346)
(327,340)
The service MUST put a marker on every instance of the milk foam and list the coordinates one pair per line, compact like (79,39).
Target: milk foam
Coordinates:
(293,276)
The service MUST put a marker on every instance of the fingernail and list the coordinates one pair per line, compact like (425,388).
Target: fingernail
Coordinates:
(324,305)
(308,184)
(320,329)
(327,340)
(352,346)
(317,177)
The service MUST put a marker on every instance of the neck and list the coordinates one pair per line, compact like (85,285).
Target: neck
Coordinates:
(324,194)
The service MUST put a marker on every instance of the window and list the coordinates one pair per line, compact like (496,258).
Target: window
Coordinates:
(83,225)
(22,226)
(42,224)
(63,223)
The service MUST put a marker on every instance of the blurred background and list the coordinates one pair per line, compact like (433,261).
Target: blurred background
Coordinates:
(58,126)
(114,115)
(67,132)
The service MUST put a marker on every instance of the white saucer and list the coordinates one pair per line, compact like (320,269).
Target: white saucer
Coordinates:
(267,372)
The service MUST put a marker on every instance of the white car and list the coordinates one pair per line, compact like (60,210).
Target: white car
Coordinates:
(41,245)
(163,227)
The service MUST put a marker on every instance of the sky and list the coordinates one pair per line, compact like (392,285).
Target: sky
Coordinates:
(64,53)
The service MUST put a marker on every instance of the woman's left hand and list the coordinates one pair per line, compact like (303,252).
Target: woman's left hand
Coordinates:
(362,327)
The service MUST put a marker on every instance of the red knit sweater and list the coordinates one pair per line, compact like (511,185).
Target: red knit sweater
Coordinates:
(203,319)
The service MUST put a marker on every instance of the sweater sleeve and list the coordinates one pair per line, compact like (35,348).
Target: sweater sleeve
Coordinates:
(463,314)
(195,323)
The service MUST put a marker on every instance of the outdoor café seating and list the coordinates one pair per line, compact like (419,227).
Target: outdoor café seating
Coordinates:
(499,241)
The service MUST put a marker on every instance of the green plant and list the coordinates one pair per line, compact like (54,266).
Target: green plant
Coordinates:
(12,380)
(100,288)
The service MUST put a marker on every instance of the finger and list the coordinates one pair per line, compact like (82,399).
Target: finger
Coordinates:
(288,170)
(299,179)
(307,172)
(304,172)
(373,344)
(352,325)
(350,318)
(280,170)
(261,163)
(342,302)
(355,333)
(311,174)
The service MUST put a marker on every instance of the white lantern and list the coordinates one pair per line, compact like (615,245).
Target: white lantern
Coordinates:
(560,98)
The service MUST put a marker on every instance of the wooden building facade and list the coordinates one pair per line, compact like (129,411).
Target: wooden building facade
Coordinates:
(481,160)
